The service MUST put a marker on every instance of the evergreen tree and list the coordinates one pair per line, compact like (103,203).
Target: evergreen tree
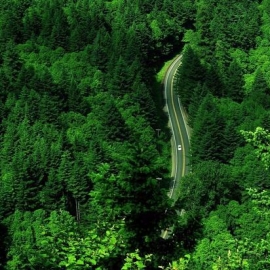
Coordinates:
(207,136)
(209,185)
(235,82)
(121,80)
(204,15)
(79,147)
(142,96)
(60,31)
(12,64)
(11,24)
(197,97)
(266,120)
(260,92)
(25,77)
(232,140)
(47,23)
(32,25)
(189,75)
(213,80)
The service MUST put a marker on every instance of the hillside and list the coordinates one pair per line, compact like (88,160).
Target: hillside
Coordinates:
(81,156)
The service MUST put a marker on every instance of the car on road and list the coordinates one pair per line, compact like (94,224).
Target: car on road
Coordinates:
(179,147)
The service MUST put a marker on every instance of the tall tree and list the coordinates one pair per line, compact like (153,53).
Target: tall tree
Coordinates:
(235,82)
(207,137)
(260,92)
(189,75)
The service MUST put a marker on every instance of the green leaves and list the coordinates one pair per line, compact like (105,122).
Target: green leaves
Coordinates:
(135,261)
(260,139)
(79,120)
(207,138)
(189,76)
(57,241)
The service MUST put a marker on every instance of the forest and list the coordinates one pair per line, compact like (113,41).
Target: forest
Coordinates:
(85,141)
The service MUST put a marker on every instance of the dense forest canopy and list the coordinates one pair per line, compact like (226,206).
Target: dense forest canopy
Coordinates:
(81,158)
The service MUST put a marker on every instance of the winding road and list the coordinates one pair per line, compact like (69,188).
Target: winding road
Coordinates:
(179,128)
(180,131)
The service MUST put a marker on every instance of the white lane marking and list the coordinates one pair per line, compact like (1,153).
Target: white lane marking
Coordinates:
(187,130)
(166,90)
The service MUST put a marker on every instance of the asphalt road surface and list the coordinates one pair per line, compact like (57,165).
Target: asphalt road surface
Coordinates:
(179,128)
(180,131)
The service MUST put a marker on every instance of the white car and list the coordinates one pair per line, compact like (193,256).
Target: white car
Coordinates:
(179,147)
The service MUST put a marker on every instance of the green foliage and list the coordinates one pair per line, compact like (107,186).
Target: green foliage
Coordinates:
(260,139)
(161,74)
(77,125)
(235,82)
(209,185)
(207,135)
(181,264)
(260,91)
(224,246)
(189,75)
(80,156)
(56,241)
(135,261)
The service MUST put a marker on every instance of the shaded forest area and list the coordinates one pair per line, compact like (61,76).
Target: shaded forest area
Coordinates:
(80,154)
(223,83)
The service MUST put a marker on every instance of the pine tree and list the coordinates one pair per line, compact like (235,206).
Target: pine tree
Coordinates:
(260,92)
(120,82)
(235,82)
(207,135)
(32,25)
(204,16)
(197,97)
(26,186)
(51,195)
(47,23)
(25,77)
(114,123)
(189,75)
(266,120)
(60,30)
(99,56)
(12,64)
(232,140)
(213,80)
(49,109)
(142,96)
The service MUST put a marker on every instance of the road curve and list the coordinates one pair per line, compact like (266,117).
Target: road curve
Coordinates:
(179,128)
